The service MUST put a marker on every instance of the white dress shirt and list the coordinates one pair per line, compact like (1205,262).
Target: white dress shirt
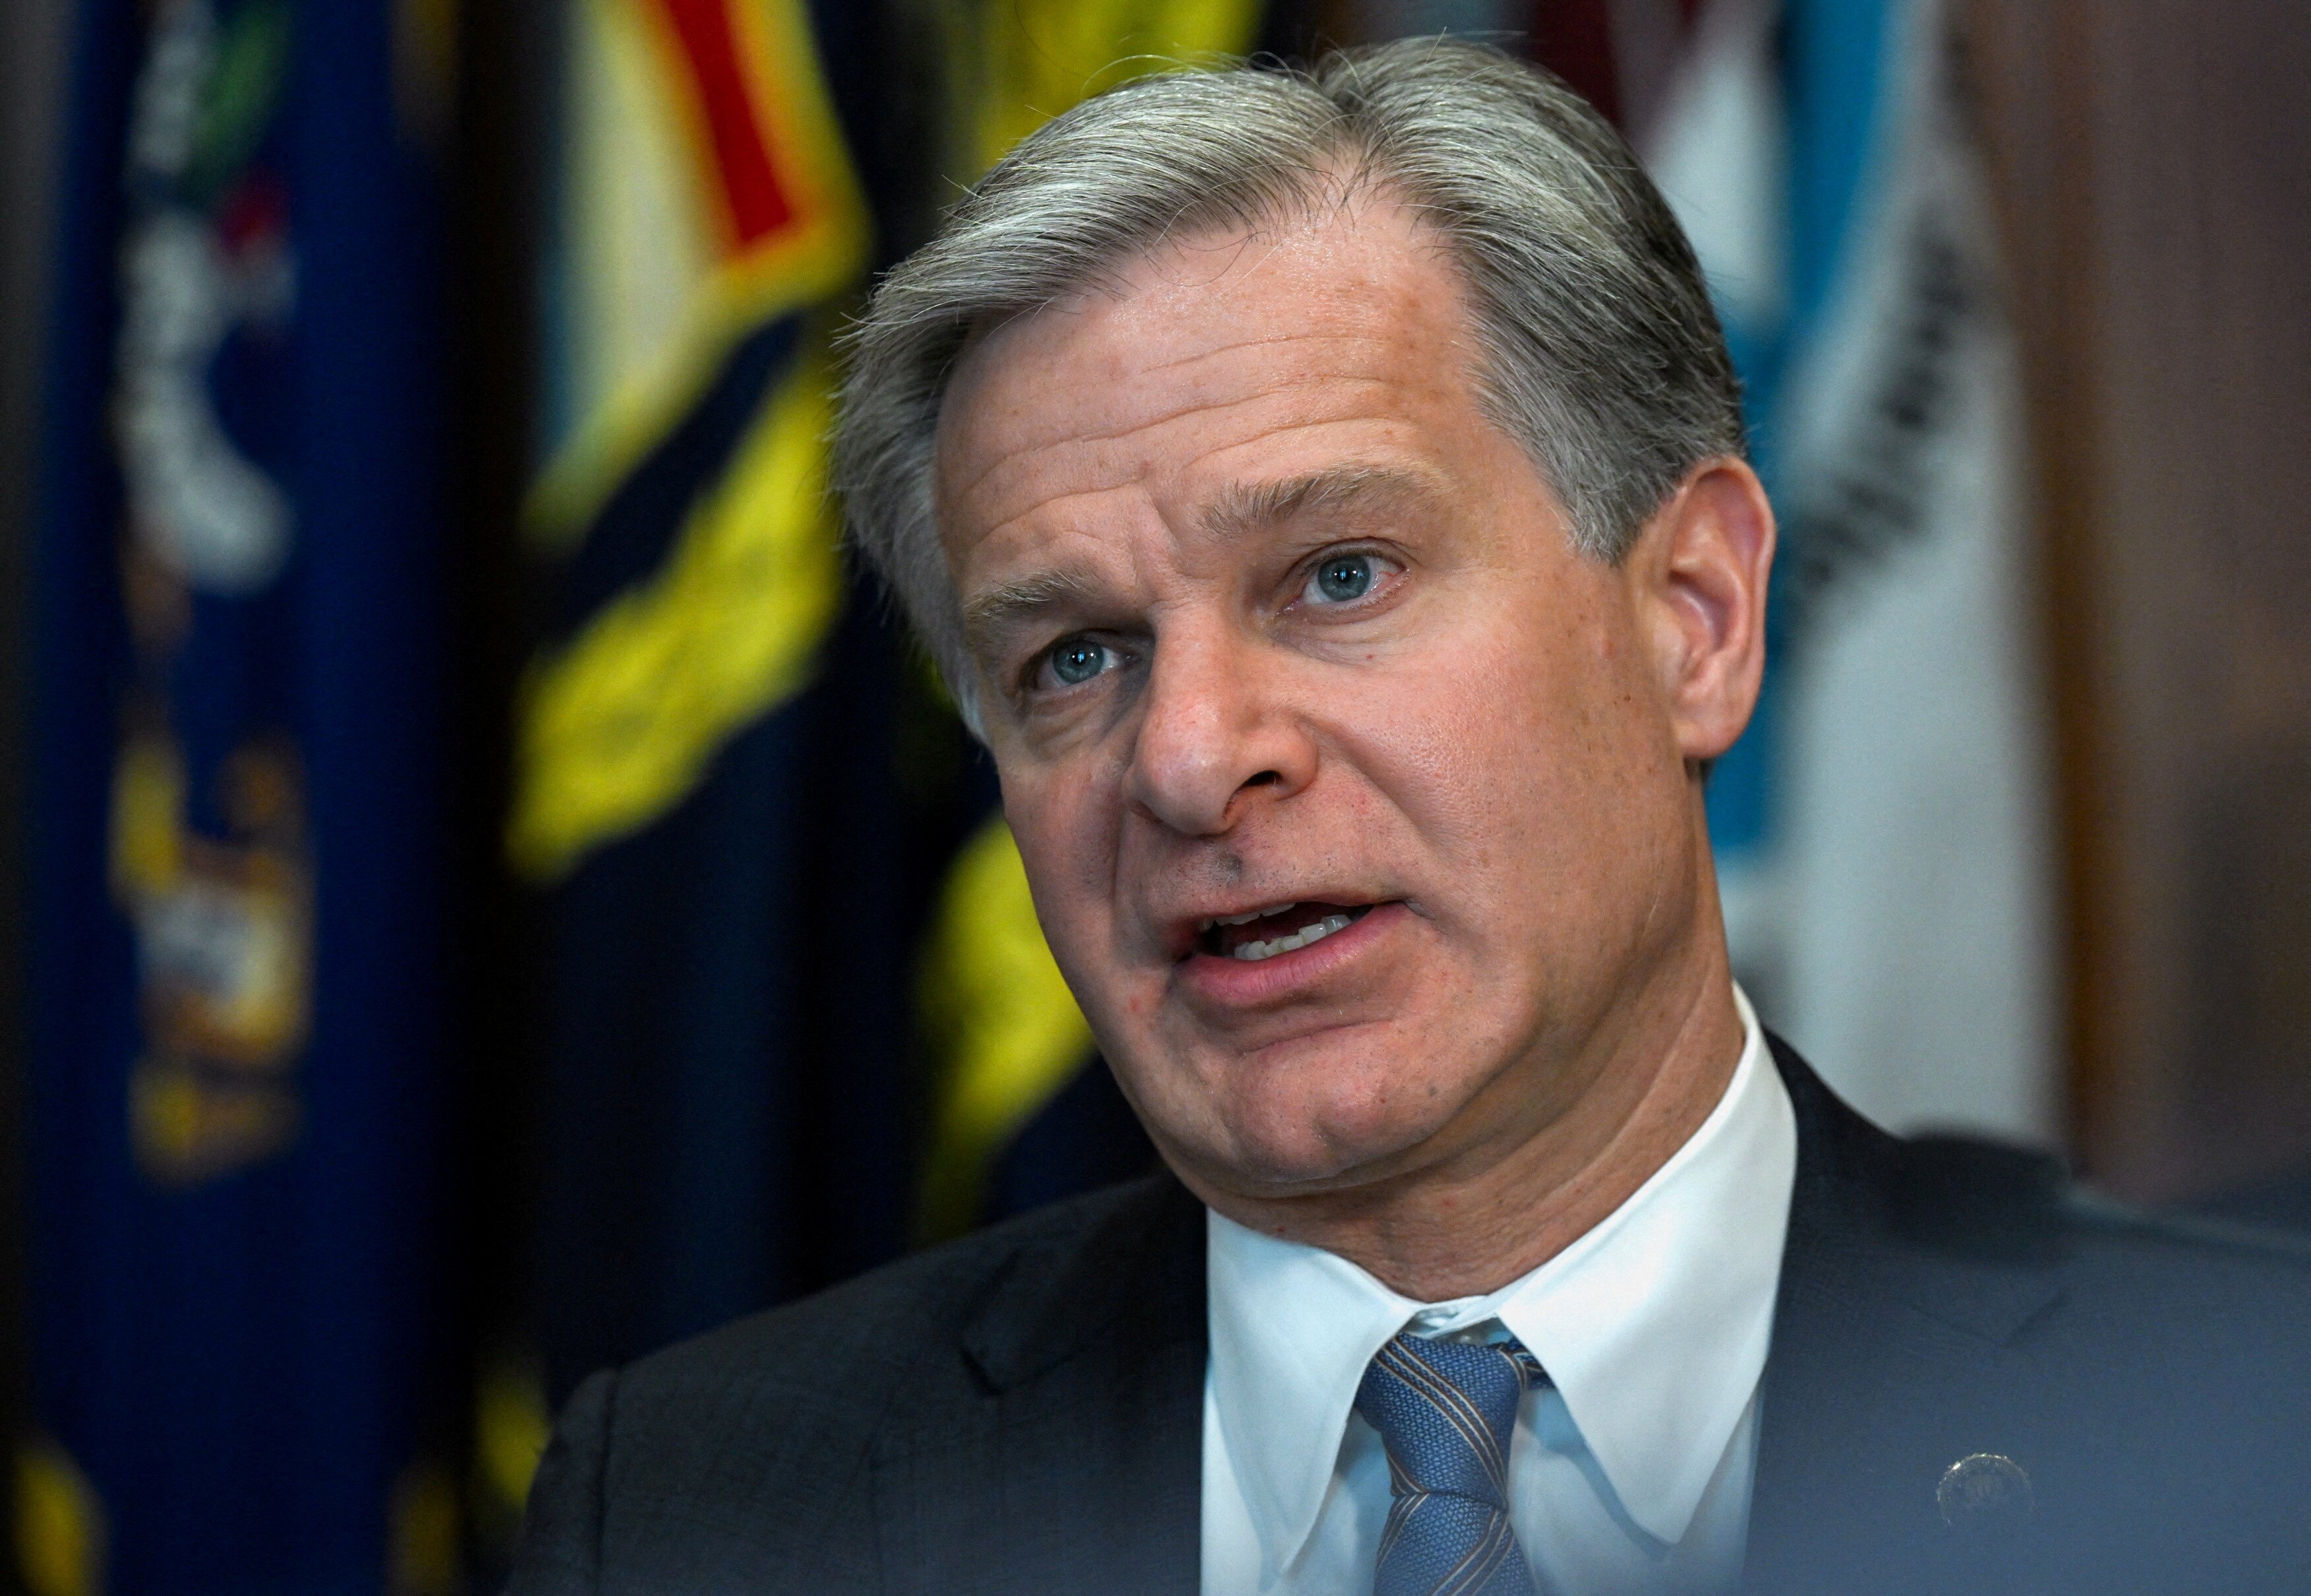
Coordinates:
(1628,1473)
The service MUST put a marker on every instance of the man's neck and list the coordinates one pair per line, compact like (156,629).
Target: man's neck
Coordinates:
(1473,1221)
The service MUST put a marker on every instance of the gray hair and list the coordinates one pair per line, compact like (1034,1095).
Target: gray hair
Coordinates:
(1597,348)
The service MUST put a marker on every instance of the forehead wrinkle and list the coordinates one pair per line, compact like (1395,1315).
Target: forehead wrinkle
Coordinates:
(1324,485)
(1265,341)
(1240,506)
(1076,440)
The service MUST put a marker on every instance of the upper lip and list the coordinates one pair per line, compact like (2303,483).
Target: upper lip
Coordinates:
(1207,923)
(1182,932)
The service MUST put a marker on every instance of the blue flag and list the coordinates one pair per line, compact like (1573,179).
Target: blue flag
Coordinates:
(235,1066)
(1881,829)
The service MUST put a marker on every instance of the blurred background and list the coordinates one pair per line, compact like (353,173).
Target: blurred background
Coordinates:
(486,889)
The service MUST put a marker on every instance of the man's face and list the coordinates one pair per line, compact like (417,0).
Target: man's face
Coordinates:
(1271,621)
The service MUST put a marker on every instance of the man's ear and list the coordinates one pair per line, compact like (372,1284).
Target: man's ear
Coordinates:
(1700,570)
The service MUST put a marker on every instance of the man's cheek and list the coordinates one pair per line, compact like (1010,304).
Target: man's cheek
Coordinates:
(1064,840)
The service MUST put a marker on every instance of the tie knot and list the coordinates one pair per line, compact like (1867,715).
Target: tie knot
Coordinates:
(1445,1411)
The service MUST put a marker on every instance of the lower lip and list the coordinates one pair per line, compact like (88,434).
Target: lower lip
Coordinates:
(1216,978)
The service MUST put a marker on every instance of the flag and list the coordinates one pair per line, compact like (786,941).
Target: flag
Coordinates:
(694,799)
(234,1080)
(1882,828)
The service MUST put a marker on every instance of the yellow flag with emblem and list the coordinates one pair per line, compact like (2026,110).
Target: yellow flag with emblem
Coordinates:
(709,200)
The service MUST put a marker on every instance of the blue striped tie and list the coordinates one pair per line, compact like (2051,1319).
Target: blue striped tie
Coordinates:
(1445,1411)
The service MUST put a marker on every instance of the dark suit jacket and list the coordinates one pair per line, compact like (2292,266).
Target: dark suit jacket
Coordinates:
(1021,1411)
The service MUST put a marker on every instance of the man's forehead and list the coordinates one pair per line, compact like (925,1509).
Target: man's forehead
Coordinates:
(1217,341)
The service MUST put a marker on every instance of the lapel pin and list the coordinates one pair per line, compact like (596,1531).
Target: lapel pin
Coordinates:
(1985,1491)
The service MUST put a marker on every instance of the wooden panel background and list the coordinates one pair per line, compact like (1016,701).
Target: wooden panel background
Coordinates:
(2153,163)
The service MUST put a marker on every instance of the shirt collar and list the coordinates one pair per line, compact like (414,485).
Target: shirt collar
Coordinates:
(1652,1326)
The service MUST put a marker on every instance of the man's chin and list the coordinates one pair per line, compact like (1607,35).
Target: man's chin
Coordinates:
(1324,1113)
(1314,1152)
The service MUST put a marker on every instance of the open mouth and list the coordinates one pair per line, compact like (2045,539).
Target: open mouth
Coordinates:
(1286,928)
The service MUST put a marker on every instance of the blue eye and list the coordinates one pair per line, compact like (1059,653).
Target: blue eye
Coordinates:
(1344,578)
(1077,661)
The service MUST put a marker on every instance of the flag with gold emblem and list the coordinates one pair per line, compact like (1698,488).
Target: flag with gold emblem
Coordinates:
(681,718)
(234,1087)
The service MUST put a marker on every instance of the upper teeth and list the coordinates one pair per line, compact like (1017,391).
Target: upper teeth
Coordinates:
(1299,938)
(1245,920)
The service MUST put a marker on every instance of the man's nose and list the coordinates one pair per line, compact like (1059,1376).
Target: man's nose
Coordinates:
(1216,728)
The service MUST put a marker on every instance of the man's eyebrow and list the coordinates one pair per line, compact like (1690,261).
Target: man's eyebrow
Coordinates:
(1242,506)
(989,617)
(992,617)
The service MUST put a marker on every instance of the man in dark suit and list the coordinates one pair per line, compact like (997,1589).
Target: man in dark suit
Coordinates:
(1325,495)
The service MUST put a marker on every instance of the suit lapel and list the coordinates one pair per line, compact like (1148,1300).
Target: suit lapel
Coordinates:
(1077,1467)
(1892,1359)
(1076,1464)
